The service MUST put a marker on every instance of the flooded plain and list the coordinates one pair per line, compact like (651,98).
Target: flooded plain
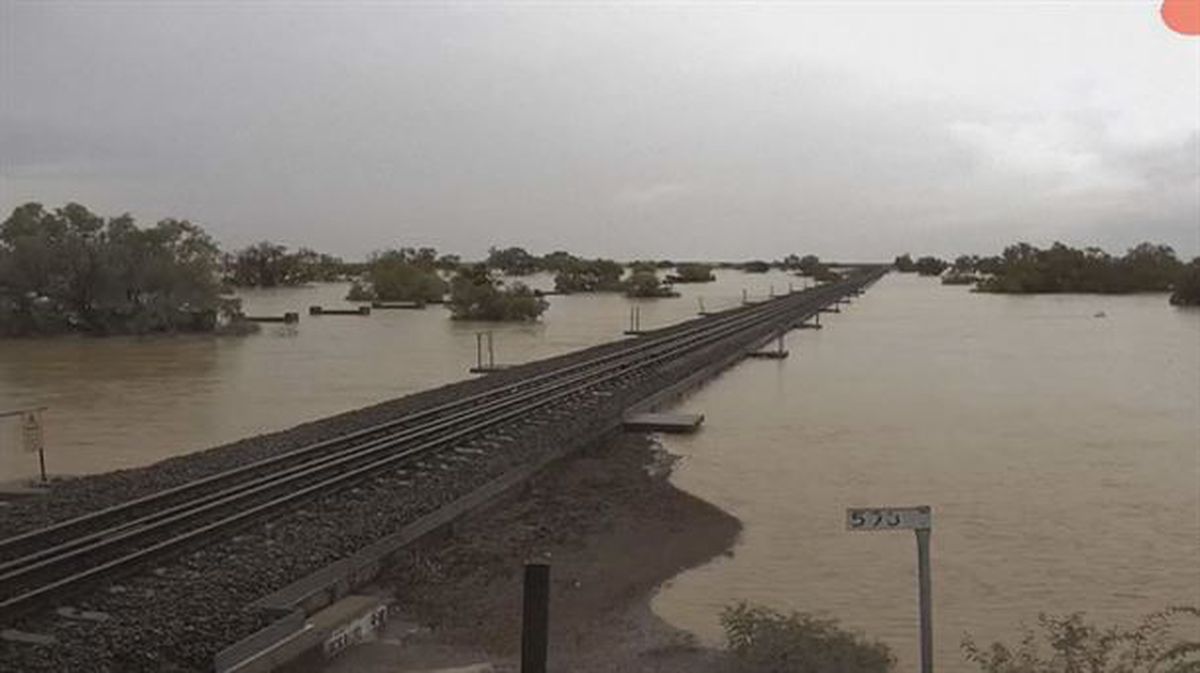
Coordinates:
(1059,450)
(126,401)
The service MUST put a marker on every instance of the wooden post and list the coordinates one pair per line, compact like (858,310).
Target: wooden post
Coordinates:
(479,350)
(491,352)
(535,624)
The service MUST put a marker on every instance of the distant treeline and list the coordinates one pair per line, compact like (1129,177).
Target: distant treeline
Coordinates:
(1026,269)
(70,270)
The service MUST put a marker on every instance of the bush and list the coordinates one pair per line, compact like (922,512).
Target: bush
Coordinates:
(1071,645)
(476,295)
(693,273)
(578,275)
(647,284)
(769,641)
(400,275)
(69,270)
(1186,290)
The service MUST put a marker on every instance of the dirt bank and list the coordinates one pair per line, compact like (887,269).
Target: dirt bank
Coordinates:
(613,529)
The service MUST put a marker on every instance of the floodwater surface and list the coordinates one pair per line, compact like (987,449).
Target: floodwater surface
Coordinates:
(122,402)
(1060,452)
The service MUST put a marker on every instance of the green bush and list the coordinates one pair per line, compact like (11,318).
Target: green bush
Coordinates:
(766,641)
(400,275)
(477,295)
(693,273)
(1069,644)
(1186,291)
(69,270)
(647,284)
(579,275)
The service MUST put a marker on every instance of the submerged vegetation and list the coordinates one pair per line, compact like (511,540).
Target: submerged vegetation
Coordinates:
(692,273)
(1026,269)
(766,641)
(70,270)
(476,294)
(268,264)
(407,274)
(584,275)
(645,283)
(1187,285)
(1023,268)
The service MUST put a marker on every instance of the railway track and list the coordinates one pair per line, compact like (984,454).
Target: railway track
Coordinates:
(43,566)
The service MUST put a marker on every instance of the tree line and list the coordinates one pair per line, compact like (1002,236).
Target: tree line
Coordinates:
(1026,269)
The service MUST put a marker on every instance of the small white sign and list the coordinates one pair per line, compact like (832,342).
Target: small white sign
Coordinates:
(889,518)
(31,431)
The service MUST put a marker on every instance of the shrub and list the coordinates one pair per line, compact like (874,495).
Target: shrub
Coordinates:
(1186,290)
(768,641)
(693,273)
(1069,644)
(476,295)
(647,284)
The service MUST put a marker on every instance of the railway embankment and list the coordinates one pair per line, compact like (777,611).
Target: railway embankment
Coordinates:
(613,529)
(177,613)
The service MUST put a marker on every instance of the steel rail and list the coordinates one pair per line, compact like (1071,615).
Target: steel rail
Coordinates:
(353,451)
(343,454)
(346,468)
(93,519)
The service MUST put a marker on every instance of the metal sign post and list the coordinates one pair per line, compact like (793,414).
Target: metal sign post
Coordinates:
(32,436)
(920,521)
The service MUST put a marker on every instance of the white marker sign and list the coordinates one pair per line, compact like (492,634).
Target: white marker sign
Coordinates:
(31,432)
(888,518)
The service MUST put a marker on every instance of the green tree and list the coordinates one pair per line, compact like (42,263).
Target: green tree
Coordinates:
(904,263)
(513,261)
(646,284)
(1023,268)
(71,270)
(1186,291)
(475,294)
(598,275)
(756,266)
(931,266)
(406,274)
(691,272)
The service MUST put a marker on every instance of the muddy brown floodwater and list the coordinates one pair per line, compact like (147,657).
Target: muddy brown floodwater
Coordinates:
(1059,450)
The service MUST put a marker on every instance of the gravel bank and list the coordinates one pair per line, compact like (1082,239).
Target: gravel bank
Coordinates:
(177,616)
(613,529)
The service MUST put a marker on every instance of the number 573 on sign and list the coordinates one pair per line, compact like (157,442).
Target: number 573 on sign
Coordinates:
(889,518)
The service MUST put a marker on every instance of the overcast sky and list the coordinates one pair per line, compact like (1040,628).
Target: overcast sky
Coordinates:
(848,129)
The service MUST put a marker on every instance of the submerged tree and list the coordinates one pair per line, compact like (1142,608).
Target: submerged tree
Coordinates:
(1187,285)
(931,266)
(475,294)
(513,261)
(406,274)
(72,270)
(692,272)
(645,283)
(268,264)
(1024,268)
(597,275)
